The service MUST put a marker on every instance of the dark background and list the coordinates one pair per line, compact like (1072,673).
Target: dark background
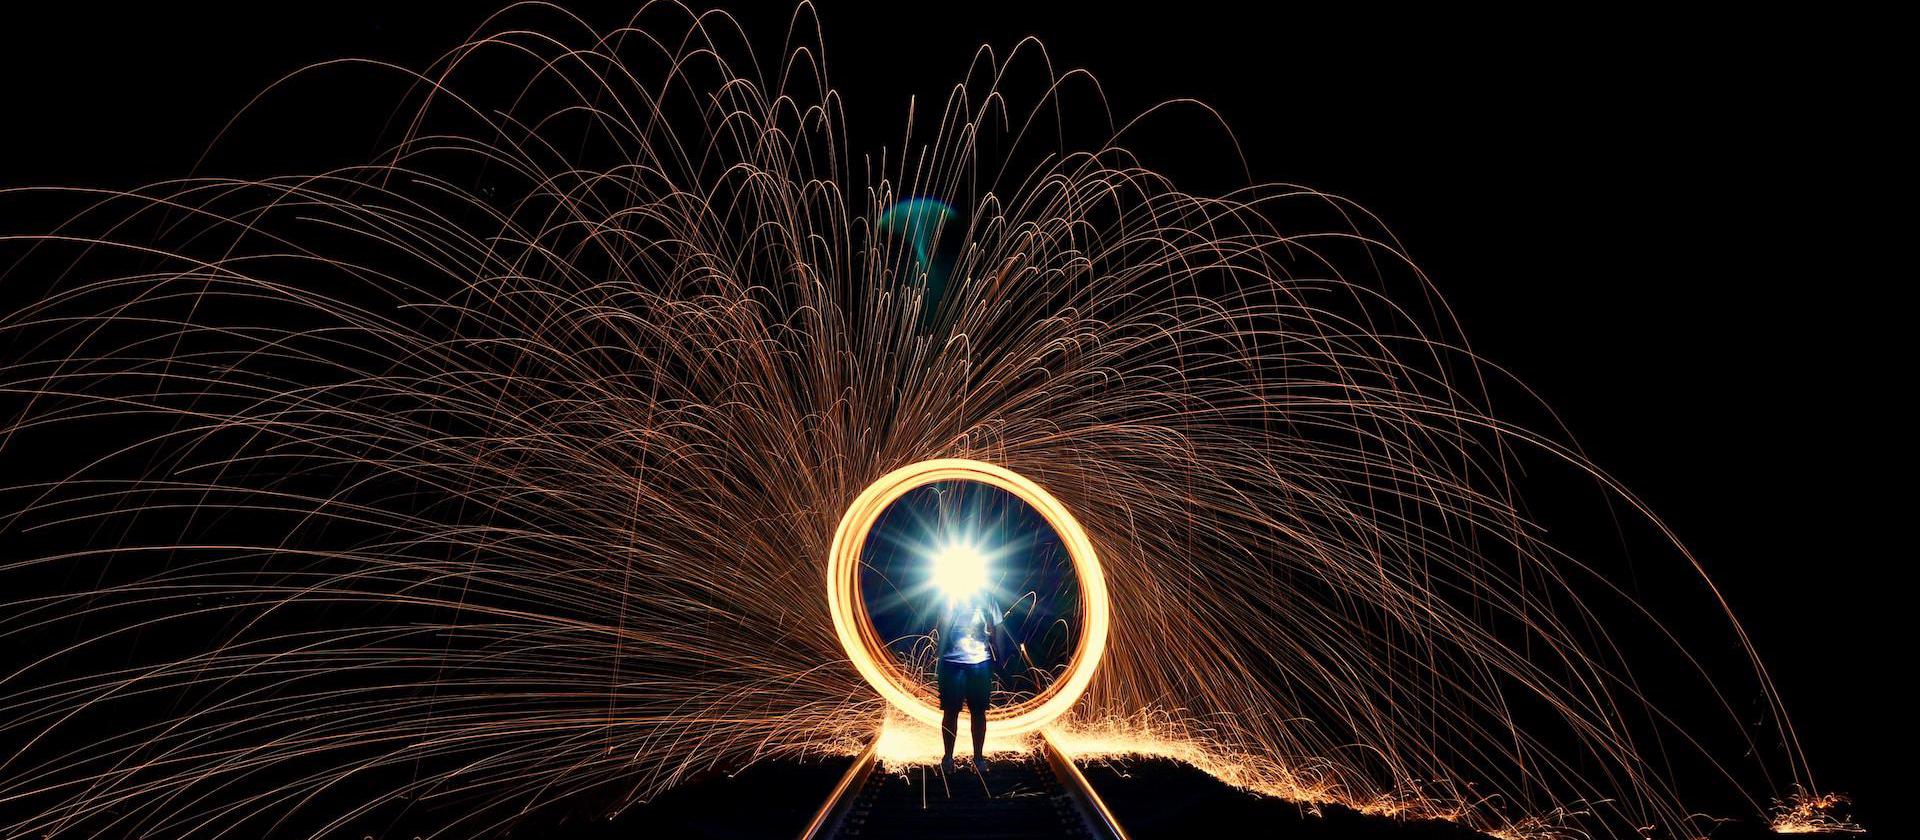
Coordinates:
(1674,228)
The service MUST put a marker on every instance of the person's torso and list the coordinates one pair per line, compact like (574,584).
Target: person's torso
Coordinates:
(963,634)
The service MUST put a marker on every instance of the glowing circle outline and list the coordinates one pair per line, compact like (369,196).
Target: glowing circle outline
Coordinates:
(870,654)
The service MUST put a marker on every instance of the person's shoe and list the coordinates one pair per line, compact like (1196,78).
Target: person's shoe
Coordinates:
(980,764)
(946,765)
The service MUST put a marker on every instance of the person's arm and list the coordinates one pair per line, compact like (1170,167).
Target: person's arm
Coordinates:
(998,642)
(938,634)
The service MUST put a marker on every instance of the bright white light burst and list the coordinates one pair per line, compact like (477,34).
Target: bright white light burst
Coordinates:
(959,569)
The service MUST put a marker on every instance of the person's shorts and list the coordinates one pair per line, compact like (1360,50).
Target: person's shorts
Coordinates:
(970,683)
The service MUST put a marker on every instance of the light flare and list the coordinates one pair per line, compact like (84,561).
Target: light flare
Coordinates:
(959,570)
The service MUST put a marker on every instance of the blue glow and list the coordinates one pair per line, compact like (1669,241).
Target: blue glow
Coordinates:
(957,539)
(918,222)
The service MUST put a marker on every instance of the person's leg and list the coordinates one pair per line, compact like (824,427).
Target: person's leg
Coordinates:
(952,692)
(979,692)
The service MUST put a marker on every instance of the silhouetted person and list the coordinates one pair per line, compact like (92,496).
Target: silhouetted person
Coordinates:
(968,629)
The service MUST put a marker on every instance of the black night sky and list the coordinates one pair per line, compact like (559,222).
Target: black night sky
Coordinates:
(1675,227)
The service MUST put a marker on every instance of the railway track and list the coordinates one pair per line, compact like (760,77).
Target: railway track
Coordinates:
(1038,796)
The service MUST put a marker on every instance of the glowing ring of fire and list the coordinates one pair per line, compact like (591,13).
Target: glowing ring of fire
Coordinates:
(870,653)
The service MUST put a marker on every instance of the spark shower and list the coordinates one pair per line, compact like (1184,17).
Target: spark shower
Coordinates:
(506,464)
